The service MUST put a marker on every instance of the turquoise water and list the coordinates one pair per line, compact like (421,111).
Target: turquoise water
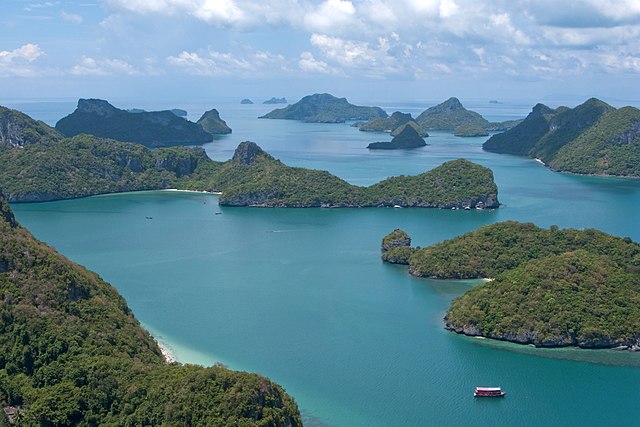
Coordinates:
(300,295)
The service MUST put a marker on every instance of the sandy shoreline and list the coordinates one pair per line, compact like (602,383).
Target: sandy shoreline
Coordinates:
(192,191)
(167,352)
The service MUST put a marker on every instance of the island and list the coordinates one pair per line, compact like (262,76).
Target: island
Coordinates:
(549,288)
(408,138)
(212,123)
(73,353)
(593,138)
(325,108)
(452,116)
(153,129)
(275,100)
(393,124)
(86,165)
(246,101)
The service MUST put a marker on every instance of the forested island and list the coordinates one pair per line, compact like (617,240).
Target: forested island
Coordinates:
(87,165)
(325,108)
(393,124)
(152,129)
(72,353)
(593,138)
(550,287)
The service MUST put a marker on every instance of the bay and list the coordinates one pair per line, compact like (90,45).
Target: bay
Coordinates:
(300,295)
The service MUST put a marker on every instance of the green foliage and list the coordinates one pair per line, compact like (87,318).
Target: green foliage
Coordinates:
(592,138)
(387,124)
(496,248)
(397,238)
(212,123)
(153,129)
(408,138)
(72,353)
(19,130)
(398,255)
(269,183)
(325,108)
(523,137)
(610,147)
(575,298)
(449,115)
(470,129)
(86,165)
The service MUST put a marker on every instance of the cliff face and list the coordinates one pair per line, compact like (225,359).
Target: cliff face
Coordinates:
(18,130)
(153,129)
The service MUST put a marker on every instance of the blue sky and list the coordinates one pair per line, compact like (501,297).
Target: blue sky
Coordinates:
(362,49)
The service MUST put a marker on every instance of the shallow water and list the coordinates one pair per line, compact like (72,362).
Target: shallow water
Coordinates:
(300,295)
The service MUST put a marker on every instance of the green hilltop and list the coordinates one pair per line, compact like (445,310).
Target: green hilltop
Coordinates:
(18,130)
(592,138)
(325,108)
(550,287)
(72,353)
(87,165)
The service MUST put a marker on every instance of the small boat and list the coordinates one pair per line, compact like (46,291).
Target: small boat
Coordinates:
(488,392)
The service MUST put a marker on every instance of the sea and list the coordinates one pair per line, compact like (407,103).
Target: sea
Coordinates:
(301,295)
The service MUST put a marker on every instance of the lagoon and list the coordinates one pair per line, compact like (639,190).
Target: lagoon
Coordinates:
(300,295)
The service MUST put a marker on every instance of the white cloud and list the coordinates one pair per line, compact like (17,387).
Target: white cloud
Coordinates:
(214,63)
(309,64)
(71,17)
(19,62)
(88,66)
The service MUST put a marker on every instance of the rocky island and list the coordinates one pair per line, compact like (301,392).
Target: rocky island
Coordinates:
(87,165)
(275,100)
(593,138)
(550,287)
(72,353)
(153,129)
(393,124)
(452,116)
(325,108)
(408,138)
(212,123)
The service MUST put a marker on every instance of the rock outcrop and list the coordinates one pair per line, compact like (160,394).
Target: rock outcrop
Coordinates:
(408,138)
(18,130)
(212,123)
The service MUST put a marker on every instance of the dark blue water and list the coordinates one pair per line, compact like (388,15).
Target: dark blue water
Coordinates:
(300,295)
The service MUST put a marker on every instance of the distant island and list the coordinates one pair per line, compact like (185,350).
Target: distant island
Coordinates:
(246,101)
(177,111)
(72,353)
(393,124)
(452,116)
(325,108)
(153,129)
(212,123)
(87,165)
(550,288)
(593,138)
(408,138)
(275,100)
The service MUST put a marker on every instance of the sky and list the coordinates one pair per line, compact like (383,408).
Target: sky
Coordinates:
(360,49)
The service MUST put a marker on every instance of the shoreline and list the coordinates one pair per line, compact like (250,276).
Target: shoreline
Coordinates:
(167,352)
(192,191)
